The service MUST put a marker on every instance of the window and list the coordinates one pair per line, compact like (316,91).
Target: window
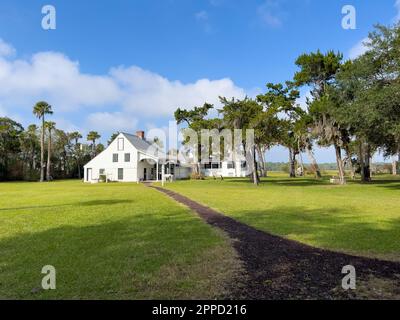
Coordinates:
(120,174)
(101,171)
(207,166)
(127,157)
(215,166)
(115,157)
(120,144)
(231,165)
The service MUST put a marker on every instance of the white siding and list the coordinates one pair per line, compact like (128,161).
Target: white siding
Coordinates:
(105,161)
(224,171)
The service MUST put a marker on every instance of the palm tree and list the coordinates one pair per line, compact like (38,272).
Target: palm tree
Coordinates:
(93,136)
(40,110)
(50,126)
(76,136)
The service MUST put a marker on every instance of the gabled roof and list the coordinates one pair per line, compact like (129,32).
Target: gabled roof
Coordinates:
(143,145)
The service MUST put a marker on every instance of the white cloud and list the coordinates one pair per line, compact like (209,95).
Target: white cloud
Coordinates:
(203,19)
(201,15)
(269,13)
(359,49)
(397,5)
(148,93)
(111,121)
(54,77)
(114,100)
(302,100)
(67,125)
(6,49)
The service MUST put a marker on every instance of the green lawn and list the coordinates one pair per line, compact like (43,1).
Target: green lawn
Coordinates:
(114,241)
(362,219)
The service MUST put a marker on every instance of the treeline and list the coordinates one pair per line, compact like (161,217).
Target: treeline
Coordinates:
(285,166)
(376,168)
(354,107)
(43,152)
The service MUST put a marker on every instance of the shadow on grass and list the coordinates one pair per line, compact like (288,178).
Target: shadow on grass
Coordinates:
(389,184)
(332,228)
(295,182)
(109,202)
(310,182)
(121,259)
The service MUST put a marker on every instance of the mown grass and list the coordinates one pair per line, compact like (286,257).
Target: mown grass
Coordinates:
(114,241)
(361,219)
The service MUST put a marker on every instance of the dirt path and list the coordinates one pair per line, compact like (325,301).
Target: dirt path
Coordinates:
(277,268)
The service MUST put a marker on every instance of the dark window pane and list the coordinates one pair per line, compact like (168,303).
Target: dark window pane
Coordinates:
(120,174)
(215,166)
(127,157)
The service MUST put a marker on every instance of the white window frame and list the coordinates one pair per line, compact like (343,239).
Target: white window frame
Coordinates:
(120,144)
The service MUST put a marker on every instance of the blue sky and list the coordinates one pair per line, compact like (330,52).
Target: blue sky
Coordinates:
(126,65)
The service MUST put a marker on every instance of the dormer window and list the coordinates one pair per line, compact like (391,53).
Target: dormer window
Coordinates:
(120,144)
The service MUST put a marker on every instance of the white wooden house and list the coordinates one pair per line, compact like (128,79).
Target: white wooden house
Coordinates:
(226,169)
(130,158)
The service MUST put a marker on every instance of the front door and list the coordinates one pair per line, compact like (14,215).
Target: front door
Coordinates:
(145,174)
(88,174)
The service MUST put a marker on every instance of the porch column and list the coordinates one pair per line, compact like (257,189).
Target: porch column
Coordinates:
(162,174)
(157,172)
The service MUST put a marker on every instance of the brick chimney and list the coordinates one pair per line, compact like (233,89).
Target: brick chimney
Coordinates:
(140,134)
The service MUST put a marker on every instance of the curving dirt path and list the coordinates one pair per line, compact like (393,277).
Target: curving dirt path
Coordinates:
(277,268)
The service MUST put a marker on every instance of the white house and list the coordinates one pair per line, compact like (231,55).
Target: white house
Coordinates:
(226,169)
(130,158)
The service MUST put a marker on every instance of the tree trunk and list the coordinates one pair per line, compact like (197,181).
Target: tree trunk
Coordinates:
(301,160)
(313,161)
(79,170)
(94,149)
(252,164)
(398,164)
(256,178)
(367,162)
(262,161)
(340,165)
(364,158)
(292,163)
(42,152)
(361,160)
(353,170)
(48,158)
(265,162)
